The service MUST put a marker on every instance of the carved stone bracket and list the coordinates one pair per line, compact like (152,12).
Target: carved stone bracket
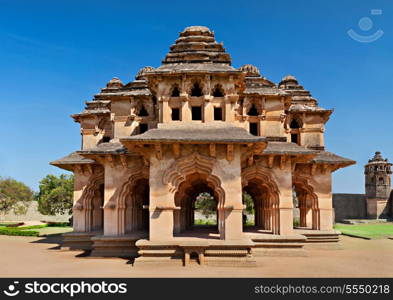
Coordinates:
(230,156)
(212,148)
(158,149)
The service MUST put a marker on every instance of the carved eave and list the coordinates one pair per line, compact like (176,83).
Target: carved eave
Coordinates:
(147,147)
(90,114)
(251,150)
(86,169)
(331,161)
(313,168)
(113,160)
(73,162)
(323,113)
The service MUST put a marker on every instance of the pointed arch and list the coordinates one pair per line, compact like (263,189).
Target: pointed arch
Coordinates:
(126,190)
(304,187)
(267,210)
(191,164)
(175,90)
(252,107)
(196,89)
(85,203)
(218,91)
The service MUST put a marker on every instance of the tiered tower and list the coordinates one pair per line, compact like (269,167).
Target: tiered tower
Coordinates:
(378,186)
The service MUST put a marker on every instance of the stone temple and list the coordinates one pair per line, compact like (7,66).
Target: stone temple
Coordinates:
(194,125)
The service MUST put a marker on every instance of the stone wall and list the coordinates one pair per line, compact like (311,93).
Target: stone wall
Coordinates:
(33,214)
(349,206)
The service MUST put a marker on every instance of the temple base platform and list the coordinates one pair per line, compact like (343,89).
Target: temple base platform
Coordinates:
(116,246)
(201,247)
(190,250)
(78,240)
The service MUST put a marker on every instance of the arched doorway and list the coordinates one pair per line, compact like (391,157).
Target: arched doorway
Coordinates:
(196,188)
(96,212)
(264,215)
(259,184)
(137,207)
(306,204)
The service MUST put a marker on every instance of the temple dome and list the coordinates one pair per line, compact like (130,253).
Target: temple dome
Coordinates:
(288,80)
(250,70)
(143,71)
(378,158)
(196,44)
(114,83)
(197,29)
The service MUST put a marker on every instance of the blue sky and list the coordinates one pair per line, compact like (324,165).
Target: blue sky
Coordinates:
(54,55)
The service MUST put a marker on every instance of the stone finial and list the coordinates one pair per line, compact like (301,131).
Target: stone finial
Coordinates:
(114,83)
(378,157)
(194,30)
(288,80)
(141,73)
(250,70)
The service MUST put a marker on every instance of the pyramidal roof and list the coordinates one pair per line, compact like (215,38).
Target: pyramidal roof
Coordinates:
(196,44)
(378,158)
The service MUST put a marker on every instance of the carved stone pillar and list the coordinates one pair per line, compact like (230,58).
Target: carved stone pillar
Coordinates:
(283,211)
(325,203)
(208,109)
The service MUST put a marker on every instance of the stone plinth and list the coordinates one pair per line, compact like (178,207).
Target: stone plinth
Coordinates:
(78,240)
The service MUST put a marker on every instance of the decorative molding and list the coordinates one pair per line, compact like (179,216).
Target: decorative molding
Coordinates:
(177,173)
(257,171)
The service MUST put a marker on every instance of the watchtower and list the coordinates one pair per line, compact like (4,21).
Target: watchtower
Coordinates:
(378,186)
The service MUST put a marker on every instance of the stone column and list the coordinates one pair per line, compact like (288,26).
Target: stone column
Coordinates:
(114,215)
(162,204)
(323,189)
(79,212)
(231,216)
(177,221)
(166,110)
(283,175)
(208,109)
(185,110)
(229,100)
(112,179)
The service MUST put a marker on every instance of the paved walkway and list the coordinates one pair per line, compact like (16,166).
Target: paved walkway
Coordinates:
(34,257)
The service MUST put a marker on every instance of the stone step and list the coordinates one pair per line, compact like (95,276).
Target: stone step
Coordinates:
(277,245)
(107,246)
(77,241)
(281,252)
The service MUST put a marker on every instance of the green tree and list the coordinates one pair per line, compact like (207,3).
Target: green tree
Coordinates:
(206,204)
(14,195)
(56,194)
(249,202)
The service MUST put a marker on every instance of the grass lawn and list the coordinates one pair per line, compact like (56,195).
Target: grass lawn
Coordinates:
(34,230)
(374,231)
(54,230)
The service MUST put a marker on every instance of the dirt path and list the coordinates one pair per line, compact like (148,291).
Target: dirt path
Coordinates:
(33,257)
